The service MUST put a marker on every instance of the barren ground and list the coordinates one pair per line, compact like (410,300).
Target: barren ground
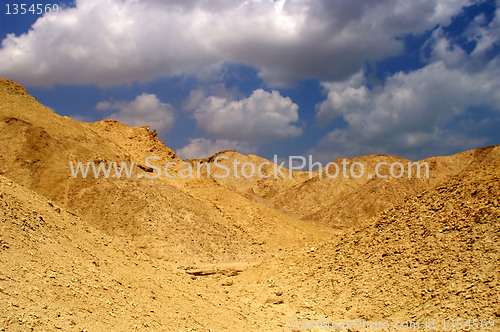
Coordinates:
(232,254)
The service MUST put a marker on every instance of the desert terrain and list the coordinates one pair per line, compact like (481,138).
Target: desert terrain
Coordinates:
(233,254)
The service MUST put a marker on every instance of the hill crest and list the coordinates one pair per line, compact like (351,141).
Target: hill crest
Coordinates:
(230,253)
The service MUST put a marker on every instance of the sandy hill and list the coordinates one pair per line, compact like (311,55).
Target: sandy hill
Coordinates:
(230,253)
(341,202)
(187,221)
(57,272)
(377,194)
(434,256)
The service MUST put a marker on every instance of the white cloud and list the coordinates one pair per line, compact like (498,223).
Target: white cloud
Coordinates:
(410,114)
(117,41)
(423,112)
(198,97)
(262,117)
(484,35)
(443,50)
(204,148)
(146,109)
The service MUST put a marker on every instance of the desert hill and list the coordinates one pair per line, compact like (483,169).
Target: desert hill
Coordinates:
(435,255)
(60,273)
(188,221)
(341,202)
(378,194)
(230,253)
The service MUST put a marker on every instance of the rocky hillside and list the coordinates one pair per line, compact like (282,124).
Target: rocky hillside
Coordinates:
(187,221)
(434,256)
(201,254)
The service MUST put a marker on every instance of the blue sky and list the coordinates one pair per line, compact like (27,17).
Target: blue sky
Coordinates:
(297,77)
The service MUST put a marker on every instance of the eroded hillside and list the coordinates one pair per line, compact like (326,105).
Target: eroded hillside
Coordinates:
(189,221)
(231,253)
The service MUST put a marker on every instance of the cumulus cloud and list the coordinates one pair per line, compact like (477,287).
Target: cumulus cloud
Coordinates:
(115,41)
(197,97)
(485,36)
(262,117)
(146,109)
(410,115)
(204,148)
